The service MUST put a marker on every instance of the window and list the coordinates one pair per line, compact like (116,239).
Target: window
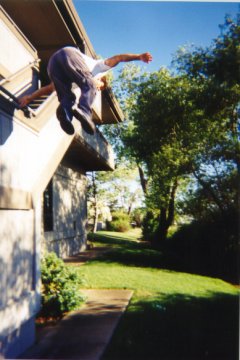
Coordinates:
(48,207)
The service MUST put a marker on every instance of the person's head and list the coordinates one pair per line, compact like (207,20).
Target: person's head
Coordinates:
(102,83)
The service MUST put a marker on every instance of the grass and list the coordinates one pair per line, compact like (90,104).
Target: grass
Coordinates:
(172,315)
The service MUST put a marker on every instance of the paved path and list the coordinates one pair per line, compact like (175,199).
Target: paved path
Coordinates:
(83,334)
(81,258)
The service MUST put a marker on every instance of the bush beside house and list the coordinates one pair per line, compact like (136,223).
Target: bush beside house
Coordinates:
(60,287)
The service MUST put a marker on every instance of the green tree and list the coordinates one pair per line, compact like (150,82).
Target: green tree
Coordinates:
(182,124)
(216,70)
(157,141)
(113,190)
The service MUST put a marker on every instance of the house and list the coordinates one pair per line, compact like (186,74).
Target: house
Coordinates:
(43,170)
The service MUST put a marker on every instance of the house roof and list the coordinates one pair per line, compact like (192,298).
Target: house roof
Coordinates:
(52,24)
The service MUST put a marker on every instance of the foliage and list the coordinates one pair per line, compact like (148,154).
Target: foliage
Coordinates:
(185,124)
(215,71)
(137,216)
(207,246)
(113,189)
(149,225)
(219,60)
(59,287)
(206,204)
(120,222)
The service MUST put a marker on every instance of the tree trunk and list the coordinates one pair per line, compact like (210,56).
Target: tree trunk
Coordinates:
(129,208)
(95,222)
(163,225)
(143,180)
(95,217)
(210,191)
(171,205)
(166,217)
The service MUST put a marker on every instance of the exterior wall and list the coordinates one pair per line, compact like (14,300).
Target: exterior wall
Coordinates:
(13,42)
(30,152)
(25,64)
(19,229)
(69,214)
(19,280)
(16,140)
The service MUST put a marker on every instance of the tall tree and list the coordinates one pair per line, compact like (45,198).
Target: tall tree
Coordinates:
(183,123)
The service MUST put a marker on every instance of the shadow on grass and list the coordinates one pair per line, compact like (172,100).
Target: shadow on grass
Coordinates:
(172,326)
(141,254)
(178,327)
(114,240)
(132,253)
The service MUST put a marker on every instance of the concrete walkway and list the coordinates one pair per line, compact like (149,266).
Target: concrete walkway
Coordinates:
(81,258)
(82,334)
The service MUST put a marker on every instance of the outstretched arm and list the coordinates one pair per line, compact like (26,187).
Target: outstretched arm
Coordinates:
(45,90)
(115,60)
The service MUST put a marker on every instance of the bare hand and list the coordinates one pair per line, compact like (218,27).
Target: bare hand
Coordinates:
(146,57)
(23,101)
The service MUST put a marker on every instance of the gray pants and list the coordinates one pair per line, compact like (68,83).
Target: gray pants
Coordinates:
(66,67)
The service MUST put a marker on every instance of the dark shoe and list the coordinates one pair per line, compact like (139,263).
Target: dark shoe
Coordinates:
(65,120)
(86,122)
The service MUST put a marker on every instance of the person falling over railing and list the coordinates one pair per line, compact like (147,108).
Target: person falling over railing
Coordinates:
(69,65)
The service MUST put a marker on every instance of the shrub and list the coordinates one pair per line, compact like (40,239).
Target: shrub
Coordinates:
(59,287)
(208,246)
(120,222)
(149,226)
(137,216)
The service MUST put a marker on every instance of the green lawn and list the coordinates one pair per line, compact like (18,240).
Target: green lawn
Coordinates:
(172,315)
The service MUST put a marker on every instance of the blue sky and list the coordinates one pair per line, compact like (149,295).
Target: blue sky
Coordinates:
(116,27)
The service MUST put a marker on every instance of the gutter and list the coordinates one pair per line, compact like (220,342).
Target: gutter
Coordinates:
(113,103)
(75,26)
(73,22)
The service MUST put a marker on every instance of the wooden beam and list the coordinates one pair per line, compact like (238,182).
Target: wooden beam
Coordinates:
(15,199)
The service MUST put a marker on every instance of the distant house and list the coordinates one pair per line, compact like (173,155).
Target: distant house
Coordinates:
(43,170)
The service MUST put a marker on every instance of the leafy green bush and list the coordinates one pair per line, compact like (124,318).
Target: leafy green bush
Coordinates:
(137,216)
(120,222)
(207,246)
(149,226)
(59,287)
